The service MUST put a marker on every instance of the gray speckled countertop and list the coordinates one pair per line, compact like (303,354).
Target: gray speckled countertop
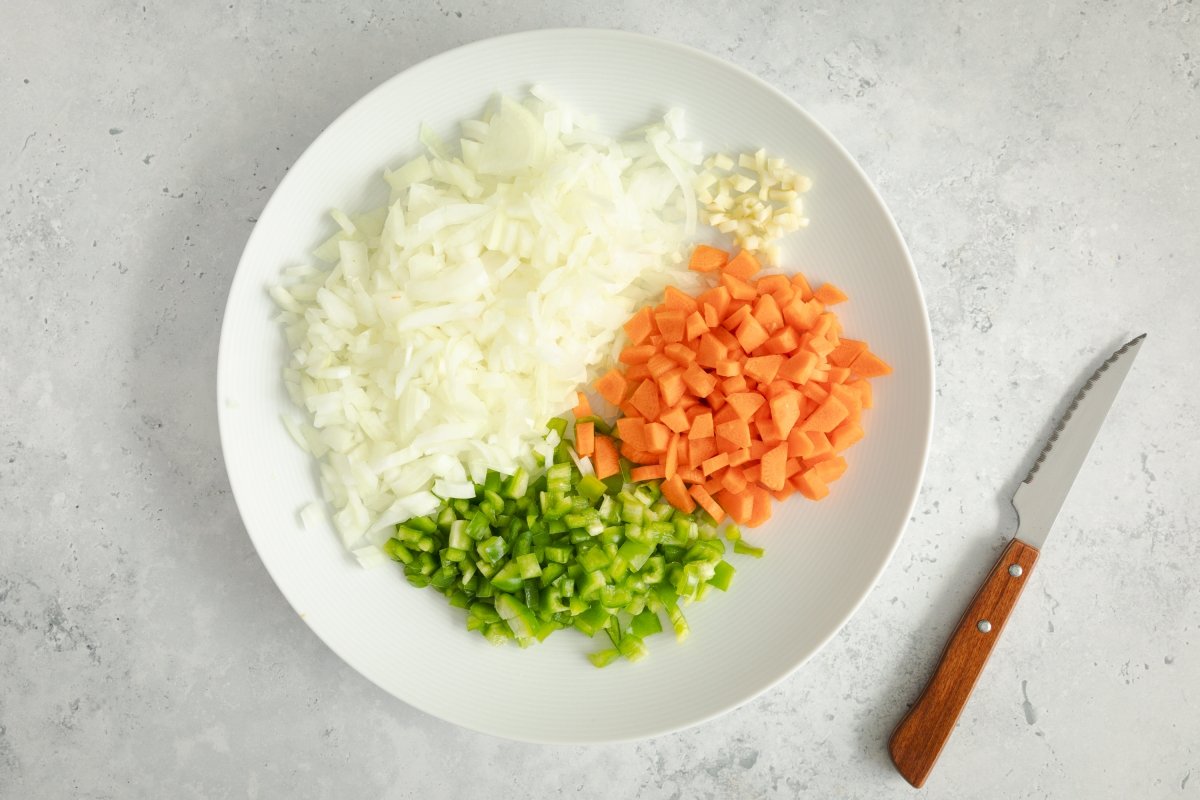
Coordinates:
(1043,162)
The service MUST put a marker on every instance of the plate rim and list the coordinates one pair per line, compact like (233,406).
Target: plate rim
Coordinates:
(926,354)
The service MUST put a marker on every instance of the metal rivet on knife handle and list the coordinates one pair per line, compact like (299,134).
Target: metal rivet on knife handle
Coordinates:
(984,626)
(1016,571)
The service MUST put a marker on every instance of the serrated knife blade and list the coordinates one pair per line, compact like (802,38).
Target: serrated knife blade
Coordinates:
(1040,496)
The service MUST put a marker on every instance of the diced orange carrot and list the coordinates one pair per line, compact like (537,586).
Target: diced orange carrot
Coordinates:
(671,324)
(828,416)
(699,382)
(716,400)
(679,301)
(729,368)
(863,386)
(848,397)
(671,462)
(845,435)
(744,265)
(638,456)
(628,410)
(738,288)
(783,494)
(740,507)
(869,365)
(680,353)
(734,385)
(735,434)
(707,259)
(640,326)
(809,484)
(799,367)
(792,466)
(750,334)
(736,317)
(611,386)
(782,342)
(768,431)
(769,284)
(638,354)
(784,295)
(635,373)
(820,345)
(822,449)
(652,472)
(677,494)
(646,400)
(605,459)
(830,294)
(800,284)
(725,414)
(700,450)
(711,465)
(763,368)
(745,404)
(632,430)
(710,351)
(675,419)
(758,449)
(706,501)
(690,475)
(695,326)
(657,437)
(583,407)
(847,350)
(702,426)
(739,457)
(761,509)
(800,445)
(831,469)
(839,374)
(814,391)
(672,386)
(752,471)
(585,438)
(767,312)
(802,314)
(785,411)
(711,318)
(825,325)
(732,348)
(773,469)
(733,480)
(719,298)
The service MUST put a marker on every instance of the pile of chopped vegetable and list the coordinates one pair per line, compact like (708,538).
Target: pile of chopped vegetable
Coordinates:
(525,557)
(744,393)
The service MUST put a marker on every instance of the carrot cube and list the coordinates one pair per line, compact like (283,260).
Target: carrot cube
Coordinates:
(830,294)
(707,259)
(612,387)
(702,426)
(744,265)
(640,326)
(671,324)
(585,438)
(750,334)
(646,399)
(767,312)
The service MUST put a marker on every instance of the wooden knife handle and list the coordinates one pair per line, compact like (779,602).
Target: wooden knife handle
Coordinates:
(920,736)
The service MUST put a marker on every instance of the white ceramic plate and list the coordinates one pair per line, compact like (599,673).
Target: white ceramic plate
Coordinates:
(822,558)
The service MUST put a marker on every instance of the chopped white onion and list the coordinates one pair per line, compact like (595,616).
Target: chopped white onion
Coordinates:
(458,319)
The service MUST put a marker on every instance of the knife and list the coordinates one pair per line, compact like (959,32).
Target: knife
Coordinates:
(920,736)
